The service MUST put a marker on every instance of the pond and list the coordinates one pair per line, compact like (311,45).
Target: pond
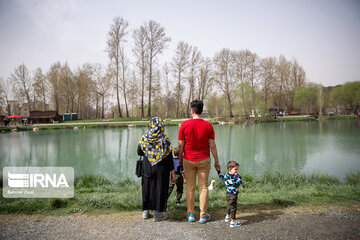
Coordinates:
(321,147)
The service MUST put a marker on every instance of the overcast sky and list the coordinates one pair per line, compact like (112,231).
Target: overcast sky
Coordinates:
(323,35)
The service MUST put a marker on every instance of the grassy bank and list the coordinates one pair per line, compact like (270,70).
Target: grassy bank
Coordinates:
(97,194)
(89,124)
(294,118)
(117,123)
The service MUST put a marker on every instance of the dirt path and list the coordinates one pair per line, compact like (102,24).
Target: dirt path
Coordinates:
(330,223)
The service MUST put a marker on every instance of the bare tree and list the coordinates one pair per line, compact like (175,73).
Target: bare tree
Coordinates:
(116,39)
(68,87)
(22,83)
(179,65)
(84,89)
(241,72)
(281,83)
(320,101)
(205,79)
(252,75)
(268,69)
(123,85)
(156,40)
(194,70)
(53,77)
(166,71)
(224,75)
(102,84)
(40,89)
(296,79)
(140,53)
(158,99)
(133,93)
(3,97)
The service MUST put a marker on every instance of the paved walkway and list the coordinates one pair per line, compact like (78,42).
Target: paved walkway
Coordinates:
(331,223)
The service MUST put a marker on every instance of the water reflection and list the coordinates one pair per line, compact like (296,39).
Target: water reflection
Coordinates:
(322,147)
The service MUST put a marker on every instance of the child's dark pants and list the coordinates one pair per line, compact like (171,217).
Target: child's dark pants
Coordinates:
(179,182)
(232,205)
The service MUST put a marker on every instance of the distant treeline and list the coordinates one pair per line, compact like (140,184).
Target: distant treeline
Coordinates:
(232,83)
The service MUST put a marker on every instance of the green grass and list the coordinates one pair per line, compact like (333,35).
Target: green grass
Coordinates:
(109,120)
(88,124)
(97,194)
(339,117)
(284,119)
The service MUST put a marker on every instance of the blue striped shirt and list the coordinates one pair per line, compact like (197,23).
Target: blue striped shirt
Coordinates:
(232,182)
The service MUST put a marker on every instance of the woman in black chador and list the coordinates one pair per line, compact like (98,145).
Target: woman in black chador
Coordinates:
(156,148)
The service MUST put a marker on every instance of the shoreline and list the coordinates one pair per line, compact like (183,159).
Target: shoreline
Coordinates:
(168,122)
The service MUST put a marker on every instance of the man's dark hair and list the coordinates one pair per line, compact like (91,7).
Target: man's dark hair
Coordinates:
(197,106)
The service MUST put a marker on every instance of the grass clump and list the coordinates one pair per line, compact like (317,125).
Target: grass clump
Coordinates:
(58,203)
(353,179)
(97,193)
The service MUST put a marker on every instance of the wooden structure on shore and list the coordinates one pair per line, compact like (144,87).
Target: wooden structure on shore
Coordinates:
(44,116)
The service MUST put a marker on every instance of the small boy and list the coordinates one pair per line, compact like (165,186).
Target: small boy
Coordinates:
(232,181)
(179,178)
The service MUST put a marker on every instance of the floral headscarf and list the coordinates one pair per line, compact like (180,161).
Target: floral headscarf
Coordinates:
(155,144)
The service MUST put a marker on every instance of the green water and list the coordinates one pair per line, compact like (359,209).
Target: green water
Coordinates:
(330,147)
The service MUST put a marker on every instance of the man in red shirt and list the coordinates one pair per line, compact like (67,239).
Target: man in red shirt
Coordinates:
(196,140)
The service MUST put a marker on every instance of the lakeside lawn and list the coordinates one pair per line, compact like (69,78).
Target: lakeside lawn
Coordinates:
(136,122)
(97,194)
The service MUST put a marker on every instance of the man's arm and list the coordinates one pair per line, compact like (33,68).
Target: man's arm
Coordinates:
(181,151)
(213,150)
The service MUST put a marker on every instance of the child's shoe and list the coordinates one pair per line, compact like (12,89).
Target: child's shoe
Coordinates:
(227,219)
(205,219)
(235,224)
(191,217)
(145,214)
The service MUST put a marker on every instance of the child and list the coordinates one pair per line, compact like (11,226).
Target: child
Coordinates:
(179,178)
(232,181)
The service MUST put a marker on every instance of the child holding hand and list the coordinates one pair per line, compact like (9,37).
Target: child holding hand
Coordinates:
(179,178)
(232,181)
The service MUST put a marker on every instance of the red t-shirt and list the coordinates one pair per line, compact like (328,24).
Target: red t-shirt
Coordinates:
(196,134)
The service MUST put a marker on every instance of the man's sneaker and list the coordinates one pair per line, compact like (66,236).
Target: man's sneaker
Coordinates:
(191,217)
(235,224)
(158,216)
(205,219)
(227,219)
(145,214)
(178,202)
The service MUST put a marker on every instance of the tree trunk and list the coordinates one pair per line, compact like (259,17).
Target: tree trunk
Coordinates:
(44,103)
(117,88)
(178,96)
(188,103)
(150,79)
(124,90)
(97,105)
(102,106)
(230,107)
(320,103)
(142,92)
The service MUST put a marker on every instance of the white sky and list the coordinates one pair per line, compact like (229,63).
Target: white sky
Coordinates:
(323,35)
